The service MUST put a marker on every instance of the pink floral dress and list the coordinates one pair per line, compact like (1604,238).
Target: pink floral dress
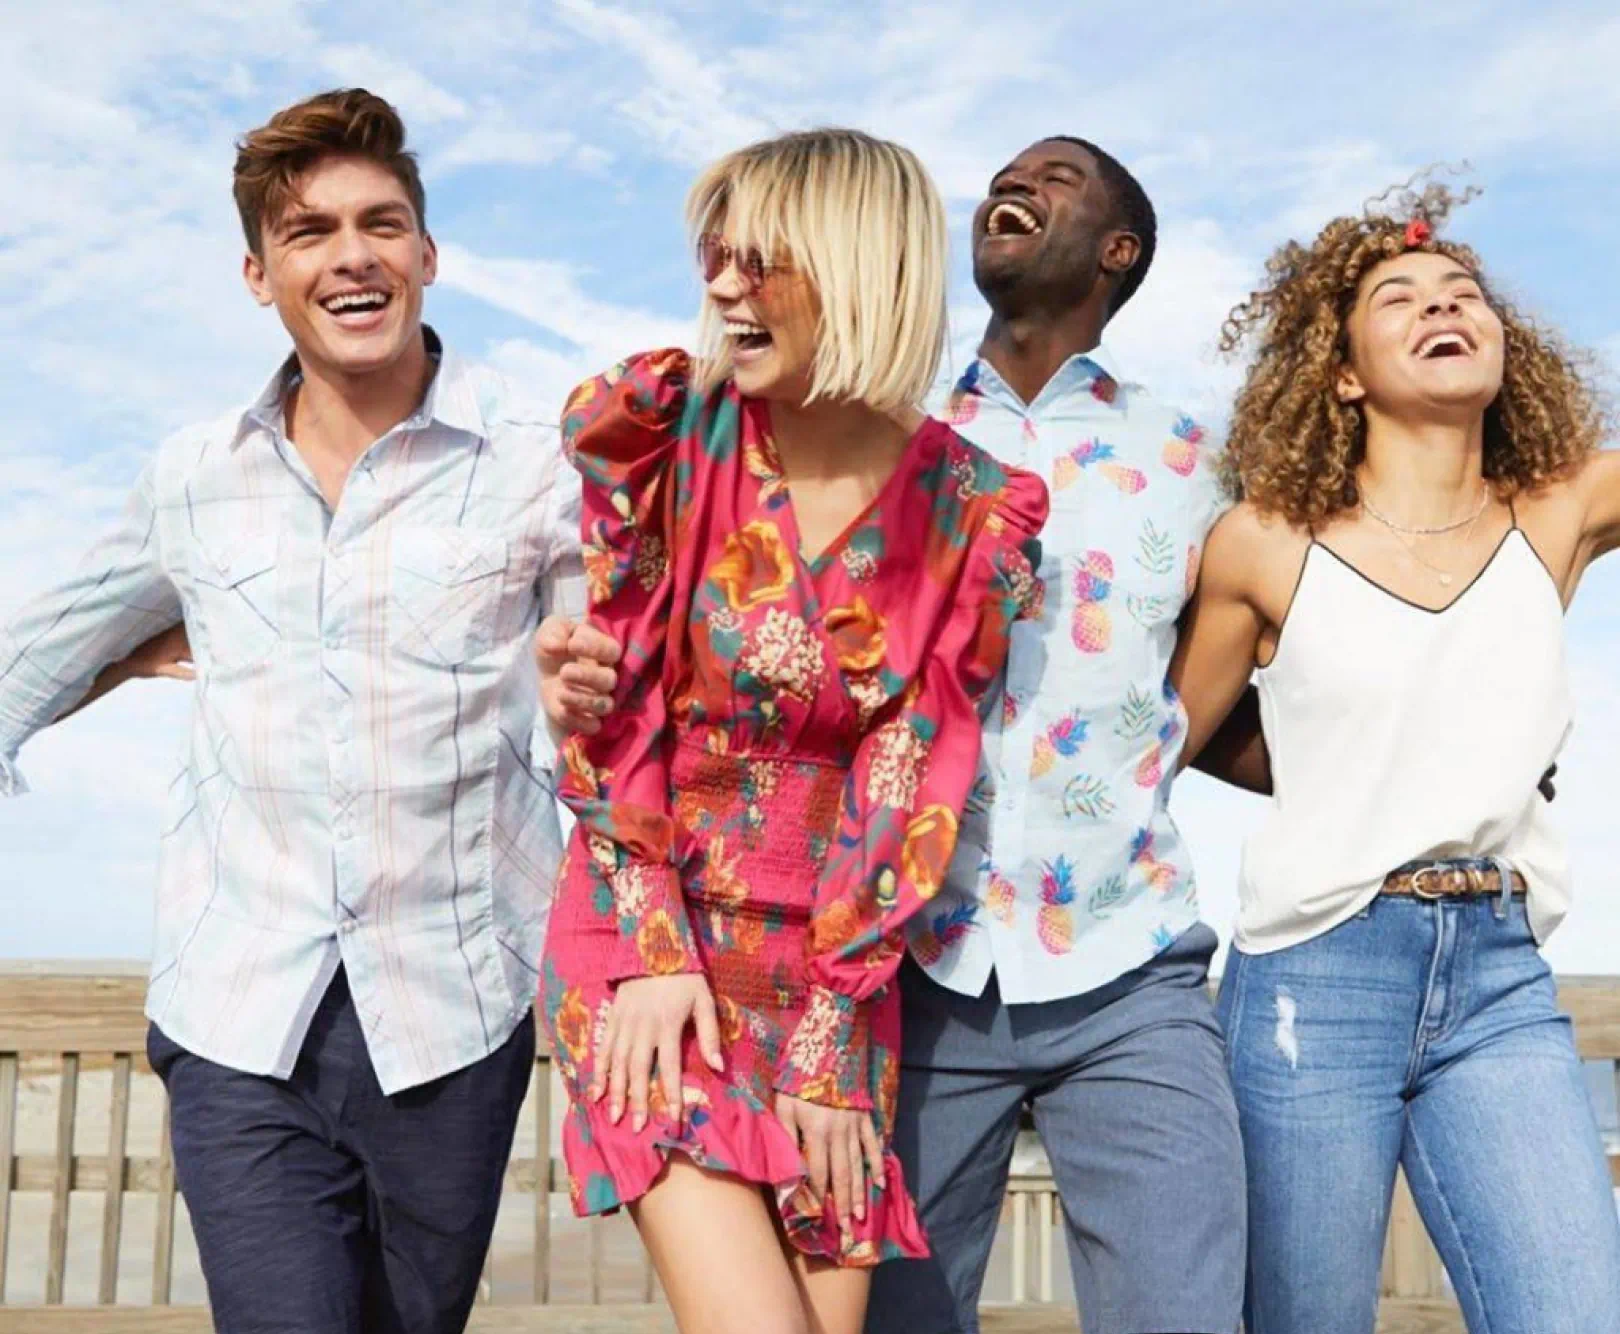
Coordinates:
(778,787)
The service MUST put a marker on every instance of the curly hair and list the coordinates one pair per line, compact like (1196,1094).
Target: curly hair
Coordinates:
(1293,447)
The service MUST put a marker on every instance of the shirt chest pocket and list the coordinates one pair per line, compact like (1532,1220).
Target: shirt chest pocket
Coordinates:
(444,593)
(236,591)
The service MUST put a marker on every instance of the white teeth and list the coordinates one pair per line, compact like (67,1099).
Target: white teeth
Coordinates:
(738,329)
(356,301)
(1435,342)
(1014,217)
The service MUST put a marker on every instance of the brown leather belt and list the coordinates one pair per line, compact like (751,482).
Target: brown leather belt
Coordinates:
(1449,881)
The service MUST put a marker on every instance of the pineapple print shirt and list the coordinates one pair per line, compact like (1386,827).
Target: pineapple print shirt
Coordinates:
(1069,870)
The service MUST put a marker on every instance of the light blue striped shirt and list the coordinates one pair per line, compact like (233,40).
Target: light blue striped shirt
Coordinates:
(364,780)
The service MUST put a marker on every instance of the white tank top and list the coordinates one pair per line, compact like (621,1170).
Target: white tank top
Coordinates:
(1398,733)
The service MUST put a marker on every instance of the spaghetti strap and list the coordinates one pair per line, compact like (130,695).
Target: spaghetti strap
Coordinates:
(1513,514)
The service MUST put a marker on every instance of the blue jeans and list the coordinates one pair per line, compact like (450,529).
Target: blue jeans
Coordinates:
(1425,1034)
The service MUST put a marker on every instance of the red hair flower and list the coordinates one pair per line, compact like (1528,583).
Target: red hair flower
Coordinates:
(1417,232)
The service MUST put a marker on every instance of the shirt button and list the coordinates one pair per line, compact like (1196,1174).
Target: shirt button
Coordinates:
(334,641)
(348,927)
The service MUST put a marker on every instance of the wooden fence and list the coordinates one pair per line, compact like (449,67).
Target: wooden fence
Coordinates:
(61,1027)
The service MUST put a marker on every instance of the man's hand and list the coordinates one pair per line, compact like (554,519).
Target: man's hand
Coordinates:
(576,674)
(841,1148)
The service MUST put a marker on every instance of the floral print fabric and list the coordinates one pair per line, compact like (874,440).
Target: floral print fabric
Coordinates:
(779,786)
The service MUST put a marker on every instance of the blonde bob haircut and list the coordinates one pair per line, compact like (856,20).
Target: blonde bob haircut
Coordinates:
(862,220)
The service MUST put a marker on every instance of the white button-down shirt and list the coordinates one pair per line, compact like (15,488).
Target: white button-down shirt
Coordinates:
(1069,870)
(365,782)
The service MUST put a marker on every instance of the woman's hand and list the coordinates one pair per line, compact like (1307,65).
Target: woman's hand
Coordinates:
(840,1147)
(576,674)
(645,1025)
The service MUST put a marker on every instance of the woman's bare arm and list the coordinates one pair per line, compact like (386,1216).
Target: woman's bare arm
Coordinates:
(1600,479)
(1221,629)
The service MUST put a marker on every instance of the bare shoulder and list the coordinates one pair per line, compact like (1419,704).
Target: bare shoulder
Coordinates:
(1247,539)
(1599,479)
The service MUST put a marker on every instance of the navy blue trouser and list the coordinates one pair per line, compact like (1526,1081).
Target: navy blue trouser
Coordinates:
(322,1205)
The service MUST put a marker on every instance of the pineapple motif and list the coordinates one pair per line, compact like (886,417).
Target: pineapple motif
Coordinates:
(1181,450)
(962,408)
(1150,770)
(1094,453)
(1062,740)
(1161,876)
(1055,923)
(1092,629)
(1000,896)
(944,929)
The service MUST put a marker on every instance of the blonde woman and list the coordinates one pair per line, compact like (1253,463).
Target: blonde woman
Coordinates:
(1423,490)
(812,585)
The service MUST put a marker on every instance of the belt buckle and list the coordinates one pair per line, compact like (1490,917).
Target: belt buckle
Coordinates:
(1417,883)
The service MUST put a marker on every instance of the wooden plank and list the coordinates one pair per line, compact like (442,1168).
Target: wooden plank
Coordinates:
(1411,1271)
(57,1013)
(112,1209)
(67,1111)
(594,1231)
(8,1139)
(508,1320)
(141,1173)
(163,1233)
(1048,1224)
(485,1320)
(1419,1317)
(542,1197)
(1020,1247)
(1594,1004)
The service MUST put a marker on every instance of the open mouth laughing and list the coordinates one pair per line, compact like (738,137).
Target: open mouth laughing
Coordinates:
(1454,342)
(747,338)
(357,307)
(1012,218)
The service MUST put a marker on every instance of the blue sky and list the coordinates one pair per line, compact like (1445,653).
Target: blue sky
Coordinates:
(557,140)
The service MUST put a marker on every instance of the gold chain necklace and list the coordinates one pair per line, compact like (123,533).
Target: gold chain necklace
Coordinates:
(1445,577)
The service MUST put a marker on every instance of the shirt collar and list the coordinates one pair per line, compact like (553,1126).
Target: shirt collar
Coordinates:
(450,400)
(1078,372)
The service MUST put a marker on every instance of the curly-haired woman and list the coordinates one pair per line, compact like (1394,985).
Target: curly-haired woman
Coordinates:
(1422,490)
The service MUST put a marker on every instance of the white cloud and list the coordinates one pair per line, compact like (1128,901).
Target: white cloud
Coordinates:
(419,99)
(548,293)
(488,144)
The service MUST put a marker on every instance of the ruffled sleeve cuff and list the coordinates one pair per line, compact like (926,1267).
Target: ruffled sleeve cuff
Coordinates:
(655,933)
(827,1059)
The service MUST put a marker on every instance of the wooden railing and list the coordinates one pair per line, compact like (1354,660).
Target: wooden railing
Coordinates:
(76,1094)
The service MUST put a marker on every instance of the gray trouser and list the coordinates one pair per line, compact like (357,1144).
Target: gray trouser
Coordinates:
(1131,1098)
